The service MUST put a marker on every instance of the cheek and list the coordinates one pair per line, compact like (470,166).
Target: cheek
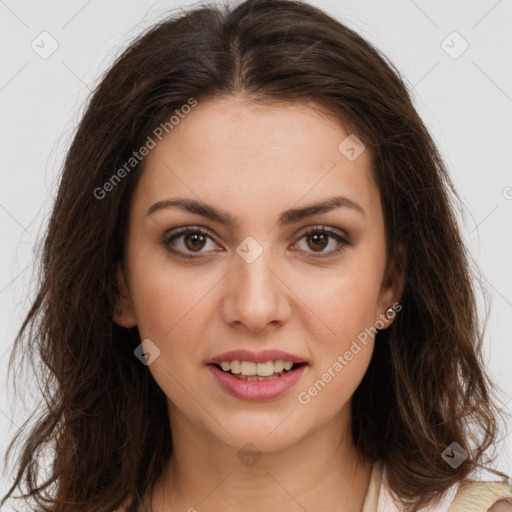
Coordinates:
(170,306)
(167,299)
(344,301)
(340,358)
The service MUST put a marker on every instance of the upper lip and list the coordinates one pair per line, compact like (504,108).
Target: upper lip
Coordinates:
(256,357)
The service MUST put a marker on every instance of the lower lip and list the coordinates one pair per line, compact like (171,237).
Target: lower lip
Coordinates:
(257,390)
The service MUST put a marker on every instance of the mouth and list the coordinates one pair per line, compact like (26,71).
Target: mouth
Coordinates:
(251,371)
(251,381)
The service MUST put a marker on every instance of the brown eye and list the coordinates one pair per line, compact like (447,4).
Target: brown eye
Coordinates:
(195,241)
(319,238)
(318,241)
(187,241)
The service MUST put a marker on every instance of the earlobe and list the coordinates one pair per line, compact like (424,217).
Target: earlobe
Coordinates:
(392,289)
(399,273)
(124,314)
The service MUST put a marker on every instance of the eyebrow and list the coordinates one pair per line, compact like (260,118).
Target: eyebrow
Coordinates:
(287,217)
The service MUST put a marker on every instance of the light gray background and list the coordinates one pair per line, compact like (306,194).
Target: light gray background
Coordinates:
(466,102)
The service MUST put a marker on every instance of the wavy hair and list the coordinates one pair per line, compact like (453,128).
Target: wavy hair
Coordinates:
(104,418)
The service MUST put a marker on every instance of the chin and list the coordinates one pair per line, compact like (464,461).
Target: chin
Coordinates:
(271,434)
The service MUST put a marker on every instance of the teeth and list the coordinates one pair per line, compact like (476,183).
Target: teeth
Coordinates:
(256,370)
(265,369)
(248,368)
(256,377)
(235,367)
(225,365)
(278,365)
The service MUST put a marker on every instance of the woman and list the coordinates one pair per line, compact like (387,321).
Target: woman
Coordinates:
(254,291)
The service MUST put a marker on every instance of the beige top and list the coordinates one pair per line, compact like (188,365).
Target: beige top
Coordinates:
(468,496)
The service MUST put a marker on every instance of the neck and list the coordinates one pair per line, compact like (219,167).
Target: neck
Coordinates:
(322,471)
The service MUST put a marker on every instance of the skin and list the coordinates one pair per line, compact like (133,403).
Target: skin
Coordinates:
(501,506)
(255,162)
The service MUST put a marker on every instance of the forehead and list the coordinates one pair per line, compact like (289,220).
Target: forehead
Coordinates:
(229,151)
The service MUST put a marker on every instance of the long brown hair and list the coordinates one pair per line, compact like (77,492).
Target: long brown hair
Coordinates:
(104,417)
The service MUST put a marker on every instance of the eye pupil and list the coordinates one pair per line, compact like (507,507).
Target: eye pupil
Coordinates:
(318,238)
(194,238)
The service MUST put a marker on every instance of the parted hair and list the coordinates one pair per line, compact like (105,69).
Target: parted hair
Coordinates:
(102,416)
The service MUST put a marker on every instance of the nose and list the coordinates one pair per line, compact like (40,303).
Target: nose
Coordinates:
(256,296)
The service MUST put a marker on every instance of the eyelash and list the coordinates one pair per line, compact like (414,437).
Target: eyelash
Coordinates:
(170,237)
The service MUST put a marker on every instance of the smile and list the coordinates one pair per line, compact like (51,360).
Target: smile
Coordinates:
(248,380)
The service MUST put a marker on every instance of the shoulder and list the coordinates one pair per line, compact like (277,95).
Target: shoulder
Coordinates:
(501,506)
(476,496)
(464,496)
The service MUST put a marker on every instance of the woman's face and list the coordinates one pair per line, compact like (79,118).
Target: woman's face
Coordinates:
(252,279)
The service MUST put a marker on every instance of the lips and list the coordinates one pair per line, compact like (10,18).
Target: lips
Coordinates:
(238,372)
(254,390)
(256,357)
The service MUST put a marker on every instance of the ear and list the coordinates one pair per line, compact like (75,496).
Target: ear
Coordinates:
(124,314)
(392,288)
